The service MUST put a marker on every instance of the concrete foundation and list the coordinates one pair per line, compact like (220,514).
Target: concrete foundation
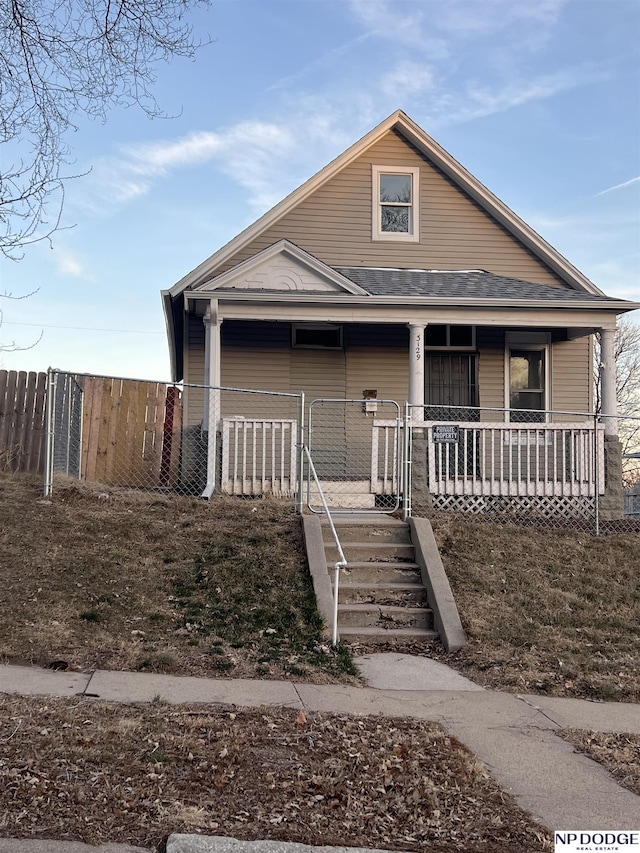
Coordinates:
(611,504)
(419,470)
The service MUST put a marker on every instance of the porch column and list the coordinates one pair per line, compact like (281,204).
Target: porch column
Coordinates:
(417,470)
(611,503)
(608,380)
(416,367)
(211,415)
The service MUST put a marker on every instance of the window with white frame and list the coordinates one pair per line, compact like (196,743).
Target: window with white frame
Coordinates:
(396,194)
(527,377)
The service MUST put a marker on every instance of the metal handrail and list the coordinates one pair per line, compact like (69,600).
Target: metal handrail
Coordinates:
(342,562)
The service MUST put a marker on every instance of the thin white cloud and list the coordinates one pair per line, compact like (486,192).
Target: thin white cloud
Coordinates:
(476,101)
(468,18)
(407,79)
(267,159)
(413,27)
(242,151)
(619,186)
(69,264)
(327,59)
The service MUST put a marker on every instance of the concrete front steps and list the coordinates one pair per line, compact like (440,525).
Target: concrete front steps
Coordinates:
(381,597)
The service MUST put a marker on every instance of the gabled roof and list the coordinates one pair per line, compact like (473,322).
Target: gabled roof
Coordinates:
(462,284)
(401,123)
(283,267)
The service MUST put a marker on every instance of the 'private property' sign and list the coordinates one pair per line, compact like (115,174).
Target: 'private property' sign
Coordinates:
(446,433)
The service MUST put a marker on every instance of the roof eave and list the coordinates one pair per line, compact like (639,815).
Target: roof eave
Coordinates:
(618,306)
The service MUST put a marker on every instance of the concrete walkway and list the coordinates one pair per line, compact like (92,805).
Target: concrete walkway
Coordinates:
(513,735)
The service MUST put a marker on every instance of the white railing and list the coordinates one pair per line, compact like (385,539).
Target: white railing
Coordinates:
(386,456)
(341,561)
(504,459)
(515,460)
(258,456)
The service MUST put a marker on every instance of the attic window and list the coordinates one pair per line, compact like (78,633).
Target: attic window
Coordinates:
(395,203)
(316,336)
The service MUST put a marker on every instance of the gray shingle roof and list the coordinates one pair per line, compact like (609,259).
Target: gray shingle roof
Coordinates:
(459,284)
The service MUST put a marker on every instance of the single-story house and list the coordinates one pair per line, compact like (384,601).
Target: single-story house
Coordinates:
(395,275)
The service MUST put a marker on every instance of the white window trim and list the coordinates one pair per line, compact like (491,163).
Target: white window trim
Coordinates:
(316,327)
(412,236)
(535,342)
(447,347)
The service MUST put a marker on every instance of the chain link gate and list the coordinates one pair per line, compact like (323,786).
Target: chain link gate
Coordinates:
(356,449)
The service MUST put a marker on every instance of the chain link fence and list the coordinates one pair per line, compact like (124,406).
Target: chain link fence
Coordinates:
(553,468)
(181,438)
(547,468)
(356,450)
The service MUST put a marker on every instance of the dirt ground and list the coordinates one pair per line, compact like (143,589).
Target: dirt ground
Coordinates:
(86,770)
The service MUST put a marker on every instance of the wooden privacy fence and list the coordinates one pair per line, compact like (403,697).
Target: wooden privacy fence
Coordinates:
(131,432)
(22,421)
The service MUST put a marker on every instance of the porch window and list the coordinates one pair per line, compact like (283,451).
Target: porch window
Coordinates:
(451,380)
(527,385)
(395,203)
(316,336)
(437,336)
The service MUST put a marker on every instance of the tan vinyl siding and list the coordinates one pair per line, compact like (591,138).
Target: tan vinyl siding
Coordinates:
(571,377)
(194,371)
(256,355)
(377,359)
(334,224)
(319,373)
(490,344)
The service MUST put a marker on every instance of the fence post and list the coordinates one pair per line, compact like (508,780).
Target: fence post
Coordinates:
(49,445)
(406,463)
(596,476)
(299,496)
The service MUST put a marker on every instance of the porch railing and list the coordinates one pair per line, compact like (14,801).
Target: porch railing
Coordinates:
(504,459)
(513,460)
(259,456)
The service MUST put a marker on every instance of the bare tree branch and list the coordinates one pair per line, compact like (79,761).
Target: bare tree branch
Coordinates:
(12,346)
(60,60)
(627,358)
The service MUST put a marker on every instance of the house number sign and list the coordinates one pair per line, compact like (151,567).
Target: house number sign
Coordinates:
(446,433)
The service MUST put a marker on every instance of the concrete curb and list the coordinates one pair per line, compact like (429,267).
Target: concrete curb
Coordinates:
(180,843)
(317,559)
(439,595)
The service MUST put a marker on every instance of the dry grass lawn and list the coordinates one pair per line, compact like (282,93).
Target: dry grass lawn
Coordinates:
(551,612)
(127,580)
(619,753)
(100,578)
(86,770)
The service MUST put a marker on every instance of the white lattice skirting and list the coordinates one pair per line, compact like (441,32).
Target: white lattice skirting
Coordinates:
(547,507)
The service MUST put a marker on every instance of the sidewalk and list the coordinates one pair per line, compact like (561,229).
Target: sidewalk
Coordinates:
(513,735)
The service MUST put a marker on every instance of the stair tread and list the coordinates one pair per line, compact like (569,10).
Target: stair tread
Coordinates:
(377,631)
(394,587)
(371,605)
(382,543)
(358,564)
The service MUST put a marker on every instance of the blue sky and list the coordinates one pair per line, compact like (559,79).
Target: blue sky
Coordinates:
(539,100)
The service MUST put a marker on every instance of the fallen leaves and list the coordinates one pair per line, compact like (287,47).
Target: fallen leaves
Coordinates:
(134,774)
